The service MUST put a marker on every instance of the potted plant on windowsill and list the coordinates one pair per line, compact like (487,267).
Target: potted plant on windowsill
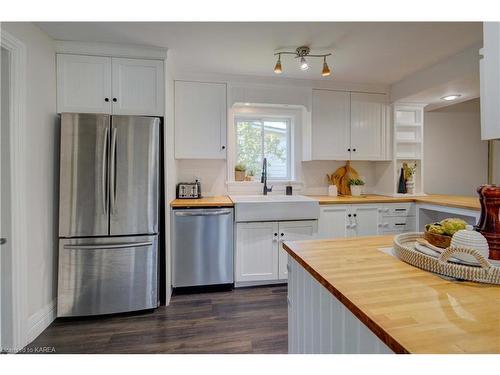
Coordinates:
(356,186)
(239,172)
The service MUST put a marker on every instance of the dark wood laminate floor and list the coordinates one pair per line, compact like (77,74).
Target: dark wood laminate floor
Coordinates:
(248,320)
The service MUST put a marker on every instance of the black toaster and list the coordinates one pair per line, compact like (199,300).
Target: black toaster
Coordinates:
(188,190)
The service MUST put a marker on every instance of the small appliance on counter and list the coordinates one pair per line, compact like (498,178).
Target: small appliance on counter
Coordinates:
(188,190)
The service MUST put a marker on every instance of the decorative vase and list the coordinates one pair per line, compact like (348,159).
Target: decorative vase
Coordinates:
(410,187)
(401,184)
(356,190)
(239,175)
(332,190)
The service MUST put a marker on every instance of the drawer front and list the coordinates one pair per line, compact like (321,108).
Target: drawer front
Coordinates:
(397,209)
(397,224)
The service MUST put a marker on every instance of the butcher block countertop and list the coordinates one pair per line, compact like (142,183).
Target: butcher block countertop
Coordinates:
(410,310)
(457,201)
(217,201)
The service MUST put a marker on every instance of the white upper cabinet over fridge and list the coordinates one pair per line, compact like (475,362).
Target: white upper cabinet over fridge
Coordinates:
(83,84)
(137,87)
(95,84)
(200,120)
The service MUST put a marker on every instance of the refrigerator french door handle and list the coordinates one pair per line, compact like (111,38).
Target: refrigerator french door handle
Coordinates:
(108,246)
(104,170)
(113,171)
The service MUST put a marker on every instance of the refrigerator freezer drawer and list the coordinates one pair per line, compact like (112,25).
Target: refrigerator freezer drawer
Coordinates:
(107,275)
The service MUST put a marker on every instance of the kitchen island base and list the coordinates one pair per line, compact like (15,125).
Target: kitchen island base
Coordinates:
(318,323)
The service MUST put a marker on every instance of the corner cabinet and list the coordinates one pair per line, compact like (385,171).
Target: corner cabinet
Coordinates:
(94,84)
(200,120)
(260,257)
(489,69)
(348,126)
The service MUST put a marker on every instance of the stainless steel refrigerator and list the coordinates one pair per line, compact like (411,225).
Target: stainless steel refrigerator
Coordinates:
(108,214)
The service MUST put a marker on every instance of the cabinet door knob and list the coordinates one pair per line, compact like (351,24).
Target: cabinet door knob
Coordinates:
(115,100)
(355,215)
(282,234)
(275,234)
(223,147)
(349,215)
(349,149)
(354,149)
(106,100)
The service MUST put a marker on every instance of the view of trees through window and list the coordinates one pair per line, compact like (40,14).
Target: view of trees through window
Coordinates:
(259,138)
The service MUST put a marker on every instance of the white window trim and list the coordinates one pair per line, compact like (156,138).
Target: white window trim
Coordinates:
(256,110)
(290,128)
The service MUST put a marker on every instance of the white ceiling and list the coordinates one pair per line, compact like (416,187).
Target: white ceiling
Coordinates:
(363,52)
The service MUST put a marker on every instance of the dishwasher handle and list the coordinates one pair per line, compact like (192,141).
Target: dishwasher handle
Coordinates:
(203,213)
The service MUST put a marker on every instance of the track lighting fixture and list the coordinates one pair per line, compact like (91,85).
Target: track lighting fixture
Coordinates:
(301,53)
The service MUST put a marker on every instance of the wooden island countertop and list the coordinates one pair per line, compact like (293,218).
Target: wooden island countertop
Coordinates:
(410,310)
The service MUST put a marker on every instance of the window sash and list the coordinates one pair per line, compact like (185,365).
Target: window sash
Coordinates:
(288,130)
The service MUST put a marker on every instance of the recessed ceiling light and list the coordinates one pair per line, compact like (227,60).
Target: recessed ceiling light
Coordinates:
(451,97)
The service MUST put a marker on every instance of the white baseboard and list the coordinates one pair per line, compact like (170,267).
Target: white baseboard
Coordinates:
(39,321)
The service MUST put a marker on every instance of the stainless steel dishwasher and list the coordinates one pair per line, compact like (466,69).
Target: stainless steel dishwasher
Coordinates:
(202,247)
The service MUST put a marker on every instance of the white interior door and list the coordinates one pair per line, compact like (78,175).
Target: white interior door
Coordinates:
(256,251)
(5,209)
(367,126)
(293,231)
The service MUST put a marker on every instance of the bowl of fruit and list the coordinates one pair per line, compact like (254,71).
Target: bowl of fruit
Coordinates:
(439,234)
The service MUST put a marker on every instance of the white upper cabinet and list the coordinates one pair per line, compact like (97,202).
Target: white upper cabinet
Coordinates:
(137,87)
(368,126)
(83,84)
(347,126)
(200,120)
(330,130)
(93,84)
(489,68)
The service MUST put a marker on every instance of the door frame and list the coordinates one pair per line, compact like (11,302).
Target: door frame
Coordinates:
(17,128)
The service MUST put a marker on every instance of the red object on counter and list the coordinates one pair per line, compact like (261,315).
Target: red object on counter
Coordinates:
(489,221)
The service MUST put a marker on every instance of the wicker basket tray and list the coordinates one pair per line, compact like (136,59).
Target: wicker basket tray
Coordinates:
(404,247)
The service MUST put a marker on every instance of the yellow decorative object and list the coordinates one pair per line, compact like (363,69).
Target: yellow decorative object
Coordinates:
(341,178)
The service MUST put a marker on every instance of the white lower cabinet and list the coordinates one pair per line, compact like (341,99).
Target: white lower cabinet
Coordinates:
(259,253)
(355,220)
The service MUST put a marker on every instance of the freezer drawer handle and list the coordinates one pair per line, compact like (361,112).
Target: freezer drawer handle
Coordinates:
(203,213)
(110,246)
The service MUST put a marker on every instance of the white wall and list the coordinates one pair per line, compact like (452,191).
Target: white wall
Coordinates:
(41,174)
(456,160)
